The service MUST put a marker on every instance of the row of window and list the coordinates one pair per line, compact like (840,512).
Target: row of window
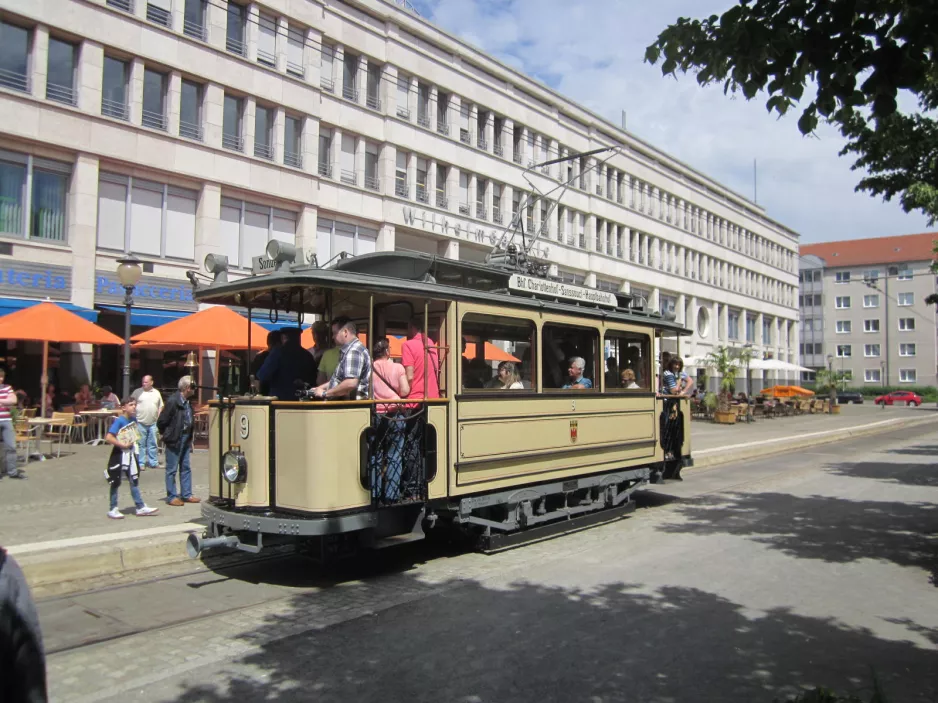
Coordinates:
(843,302)
(61,86)
(876,375)
(872,350)
(903,273)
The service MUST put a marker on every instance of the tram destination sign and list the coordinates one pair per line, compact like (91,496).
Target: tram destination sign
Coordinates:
(554,289)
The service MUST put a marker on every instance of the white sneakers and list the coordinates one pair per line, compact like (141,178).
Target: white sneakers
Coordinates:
(116,514)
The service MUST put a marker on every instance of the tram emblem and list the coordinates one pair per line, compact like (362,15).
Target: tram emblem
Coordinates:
(245,427)
(573,431)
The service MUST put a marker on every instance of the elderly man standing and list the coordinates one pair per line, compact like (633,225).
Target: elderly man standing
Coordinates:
(575,373)
(149,406)
(352,377)
(175,425)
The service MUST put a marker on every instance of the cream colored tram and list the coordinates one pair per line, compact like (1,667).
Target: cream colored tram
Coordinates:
(491,462)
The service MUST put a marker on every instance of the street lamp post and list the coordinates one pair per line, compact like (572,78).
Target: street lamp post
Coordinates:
(830,381)
(128,273)
(748,348)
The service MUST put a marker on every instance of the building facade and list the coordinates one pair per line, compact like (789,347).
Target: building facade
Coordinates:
(863,305)
(177,128)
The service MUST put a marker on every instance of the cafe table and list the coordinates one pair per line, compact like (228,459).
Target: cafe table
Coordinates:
(100,418)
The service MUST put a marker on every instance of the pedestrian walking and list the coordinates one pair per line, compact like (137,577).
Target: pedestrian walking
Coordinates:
(8,400)
(175,426)
(149,406)
(123,460)
(22,659)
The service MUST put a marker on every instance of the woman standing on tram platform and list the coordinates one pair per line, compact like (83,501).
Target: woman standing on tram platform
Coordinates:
(390,383)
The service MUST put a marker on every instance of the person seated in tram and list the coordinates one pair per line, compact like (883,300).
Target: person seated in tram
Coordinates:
(627,380)
(576,379)
(508,376)
(612,372)
(287,364)
(352,377)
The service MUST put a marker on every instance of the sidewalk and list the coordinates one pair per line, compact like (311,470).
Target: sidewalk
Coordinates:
(56,525)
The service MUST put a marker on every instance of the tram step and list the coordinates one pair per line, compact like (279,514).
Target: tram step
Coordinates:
(395,540)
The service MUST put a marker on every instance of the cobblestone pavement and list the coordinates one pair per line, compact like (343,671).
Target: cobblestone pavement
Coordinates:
(802,570)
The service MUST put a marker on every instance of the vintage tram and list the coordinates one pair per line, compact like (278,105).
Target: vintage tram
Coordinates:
(489,461)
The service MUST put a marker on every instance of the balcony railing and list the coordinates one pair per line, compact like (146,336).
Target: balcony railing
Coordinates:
(125,5)
(481,143)
(481,212)
(196,30)
(442,127)
(545,170)
(373,102)
(497,149)
(464,136)
(349,178)
(442,201)
(153,120)
(464,209)
(190,130)
(266,58)
(544,230)
(13,80)
(372,183)
(401,189)
(263,151)
(516,157)
(423,121)
(295,69)
(325,169)
(403,113)
(350,93)
(113,108)
(61,93)
(292,158)
(233,142)
(234,46)
(327,84)
(157,15)
(599,190)
(497,216)
(423,195)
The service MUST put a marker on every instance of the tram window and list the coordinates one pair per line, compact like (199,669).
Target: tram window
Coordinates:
(563,344)
(490,342)
(626,352)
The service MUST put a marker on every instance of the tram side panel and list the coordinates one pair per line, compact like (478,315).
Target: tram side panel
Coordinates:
(437,417)
(247,428)
(504,442)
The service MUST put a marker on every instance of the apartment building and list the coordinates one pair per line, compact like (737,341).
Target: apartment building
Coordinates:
(177,128)
(863,304)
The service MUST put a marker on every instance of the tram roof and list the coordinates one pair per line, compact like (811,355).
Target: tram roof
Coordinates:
(411,273)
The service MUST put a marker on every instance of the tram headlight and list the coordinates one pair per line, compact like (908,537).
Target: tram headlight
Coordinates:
(235,467)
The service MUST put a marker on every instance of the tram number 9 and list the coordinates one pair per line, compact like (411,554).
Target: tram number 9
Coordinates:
(245,426)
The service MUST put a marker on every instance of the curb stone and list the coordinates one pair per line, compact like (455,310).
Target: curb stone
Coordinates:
(57,569)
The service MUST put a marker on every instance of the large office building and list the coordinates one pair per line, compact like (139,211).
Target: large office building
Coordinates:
(863,310)
(172,129)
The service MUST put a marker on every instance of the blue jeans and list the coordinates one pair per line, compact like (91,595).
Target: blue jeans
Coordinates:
(146,448)
(387,457)
(134,492)
(178,458)
(8,447)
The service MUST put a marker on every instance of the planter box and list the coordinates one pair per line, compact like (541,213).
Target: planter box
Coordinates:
(725,418)
(835,409)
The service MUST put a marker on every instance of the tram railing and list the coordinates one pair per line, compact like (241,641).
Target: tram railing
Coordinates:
(397,464)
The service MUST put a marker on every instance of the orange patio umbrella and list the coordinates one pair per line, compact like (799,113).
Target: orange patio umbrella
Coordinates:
(786,391)
(492,353)
(216,327)
(47,322)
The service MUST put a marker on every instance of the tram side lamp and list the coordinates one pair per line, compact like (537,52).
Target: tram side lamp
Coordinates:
(217,265)
(283,253)
(235,467)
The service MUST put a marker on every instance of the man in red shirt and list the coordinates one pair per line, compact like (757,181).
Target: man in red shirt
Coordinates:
(421,362)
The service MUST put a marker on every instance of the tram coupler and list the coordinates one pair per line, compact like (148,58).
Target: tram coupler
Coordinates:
(196,544)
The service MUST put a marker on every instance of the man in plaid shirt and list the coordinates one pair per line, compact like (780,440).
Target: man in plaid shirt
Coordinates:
(352,377)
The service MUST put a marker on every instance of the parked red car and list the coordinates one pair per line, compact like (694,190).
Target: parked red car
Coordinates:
(899,398)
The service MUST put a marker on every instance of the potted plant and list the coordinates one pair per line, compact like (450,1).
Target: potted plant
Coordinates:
(726,362)
(826,382)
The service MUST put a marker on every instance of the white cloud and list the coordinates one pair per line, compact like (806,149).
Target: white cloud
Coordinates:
(593,51)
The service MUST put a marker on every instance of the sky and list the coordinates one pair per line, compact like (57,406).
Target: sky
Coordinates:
(592,51)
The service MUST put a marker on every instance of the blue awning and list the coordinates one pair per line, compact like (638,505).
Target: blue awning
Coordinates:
(148,317)
(8,305)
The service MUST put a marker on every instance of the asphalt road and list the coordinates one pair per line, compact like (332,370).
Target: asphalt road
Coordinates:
(744,583)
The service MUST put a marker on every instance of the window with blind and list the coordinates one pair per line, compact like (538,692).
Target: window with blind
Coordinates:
(400,174)
(403,91)
(326,67)
(246,228)
(296,45)
(334,237)
(347,163)
(146,217)
(267,40)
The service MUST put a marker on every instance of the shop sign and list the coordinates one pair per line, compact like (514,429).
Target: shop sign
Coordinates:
(25,279)
(554,289)
(150,292)
(451,227)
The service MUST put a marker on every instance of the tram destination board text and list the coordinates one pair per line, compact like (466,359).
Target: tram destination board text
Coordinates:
(555,289)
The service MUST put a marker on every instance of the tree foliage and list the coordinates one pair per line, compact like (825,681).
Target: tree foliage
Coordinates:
(856,55)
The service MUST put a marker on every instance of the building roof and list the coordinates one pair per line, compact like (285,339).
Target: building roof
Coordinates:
(879,250)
